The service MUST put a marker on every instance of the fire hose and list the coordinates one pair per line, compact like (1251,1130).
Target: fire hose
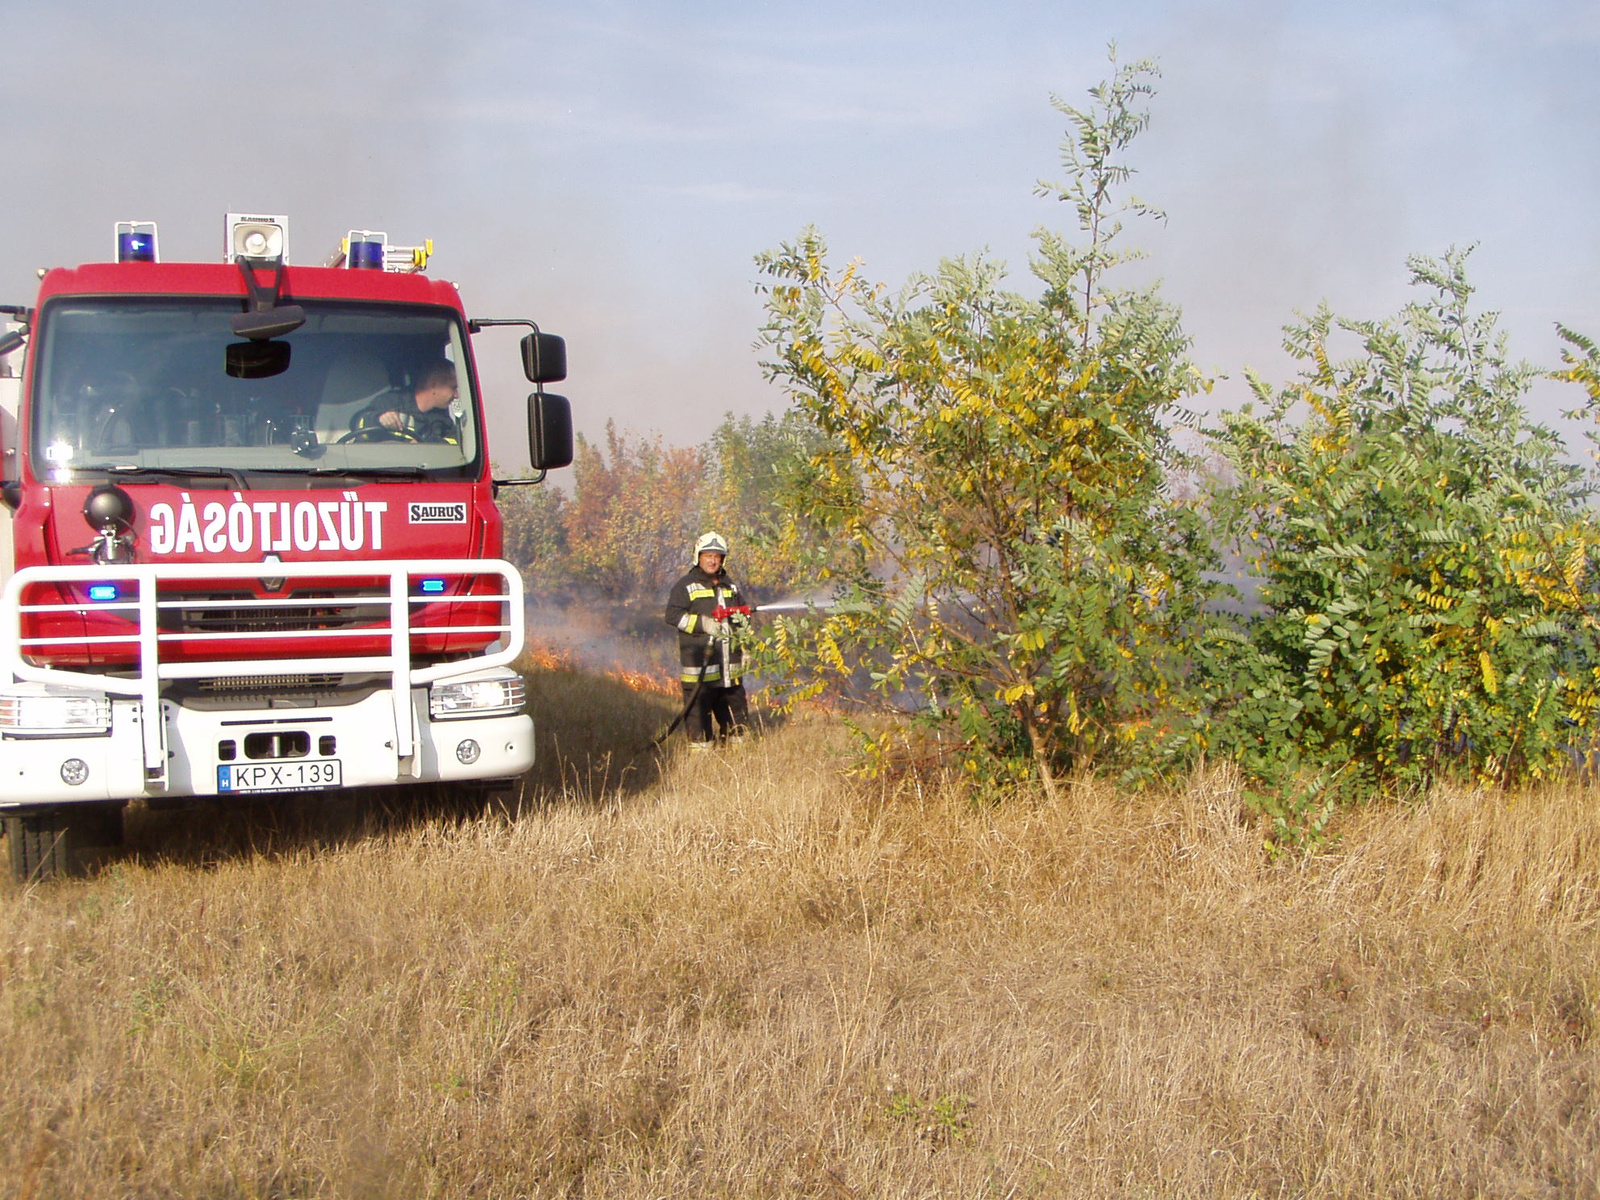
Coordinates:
(724,613)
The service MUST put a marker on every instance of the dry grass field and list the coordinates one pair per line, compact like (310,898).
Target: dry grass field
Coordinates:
(752,978)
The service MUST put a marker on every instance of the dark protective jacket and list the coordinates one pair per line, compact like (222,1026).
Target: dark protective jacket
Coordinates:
(435,425)
(690,603)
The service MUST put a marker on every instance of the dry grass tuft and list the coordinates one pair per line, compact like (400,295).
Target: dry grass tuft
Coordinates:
(750,978)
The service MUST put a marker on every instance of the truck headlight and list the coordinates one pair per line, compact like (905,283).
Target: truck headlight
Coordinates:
(476,697)
(50,712)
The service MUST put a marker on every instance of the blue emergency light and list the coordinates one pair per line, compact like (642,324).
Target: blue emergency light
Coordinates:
(432,587)
(136,241)
(365,251)
(102,591)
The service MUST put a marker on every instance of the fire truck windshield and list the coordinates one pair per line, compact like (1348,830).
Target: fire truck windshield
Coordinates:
(143,384)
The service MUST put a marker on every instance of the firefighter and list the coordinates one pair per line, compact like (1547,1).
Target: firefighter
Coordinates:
(421,415)
(711,665)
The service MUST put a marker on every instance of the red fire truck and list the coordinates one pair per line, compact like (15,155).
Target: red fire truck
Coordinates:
(254,544)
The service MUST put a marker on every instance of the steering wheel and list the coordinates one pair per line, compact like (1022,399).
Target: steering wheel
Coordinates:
(118,398)
(377,433)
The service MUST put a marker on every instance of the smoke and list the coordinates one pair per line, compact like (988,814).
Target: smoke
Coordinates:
(1303,156)
(606,639)
(322,113)
(610,170)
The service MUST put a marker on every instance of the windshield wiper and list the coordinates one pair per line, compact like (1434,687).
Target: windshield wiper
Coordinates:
(379,472)
(236,475)
(228,473)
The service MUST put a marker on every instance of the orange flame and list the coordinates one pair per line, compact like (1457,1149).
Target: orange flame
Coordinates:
(545,658)
(639,681)
(541,657)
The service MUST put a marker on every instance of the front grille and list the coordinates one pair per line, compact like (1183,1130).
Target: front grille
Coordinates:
(229,693)
(267,683)
(241,612)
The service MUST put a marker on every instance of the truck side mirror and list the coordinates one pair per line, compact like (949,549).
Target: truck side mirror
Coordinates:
(544,358)
(549,430)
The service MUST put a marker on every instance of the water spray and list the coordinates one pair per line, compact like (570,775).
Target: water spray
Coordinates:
(739,613)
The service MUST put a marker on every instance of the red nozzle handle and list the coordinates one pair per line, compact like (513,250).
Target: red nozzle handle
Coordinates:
(722,612)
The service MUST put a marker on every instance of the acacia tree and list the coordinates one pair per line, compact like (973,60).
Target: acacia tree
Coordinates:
(535,537)
(1582,357)
(1426,558)
(992,473)
(625,531)
(633,515)
(750,466)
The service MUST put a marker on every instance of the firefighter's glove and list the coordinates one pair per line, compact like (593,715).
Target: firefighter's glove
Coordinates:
(714,628)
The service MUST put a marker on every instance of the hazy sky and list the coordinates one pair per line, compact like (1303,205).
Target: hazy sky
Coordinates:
(610,169)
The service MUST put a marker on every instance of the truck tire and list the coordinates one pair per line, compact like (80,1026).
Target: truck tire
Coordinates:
(43,845)
(101,824)
(498,796)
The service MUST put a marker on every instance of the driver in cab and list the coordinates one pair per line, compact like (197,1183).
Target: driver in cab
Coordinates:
(422,415)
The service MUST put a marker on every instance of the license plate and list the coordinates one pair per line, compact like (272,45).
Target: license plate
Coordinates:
(283,775)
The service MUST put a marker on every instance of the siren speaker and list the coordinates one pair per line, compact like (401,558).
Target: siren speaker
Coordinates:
(257,237)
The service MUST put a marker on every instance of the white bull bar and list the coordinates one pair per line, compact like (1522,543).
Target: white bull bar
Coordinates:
(143,611)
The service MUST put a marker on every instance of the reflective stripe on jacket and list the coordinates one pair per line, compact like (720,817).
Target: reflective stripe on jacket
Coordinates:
(690,603)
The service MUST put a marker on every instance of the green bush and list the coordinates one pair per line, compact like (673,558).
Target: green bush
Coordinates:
(1425,556)
(992,469)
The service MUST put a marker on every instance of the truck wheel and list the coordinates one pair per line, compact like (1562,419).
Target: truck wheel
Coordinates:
(499,796)
(101,825)
(43,845)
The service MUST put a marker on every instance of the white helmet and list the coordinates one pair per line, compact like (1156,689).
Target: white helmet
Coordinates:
(713,542)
